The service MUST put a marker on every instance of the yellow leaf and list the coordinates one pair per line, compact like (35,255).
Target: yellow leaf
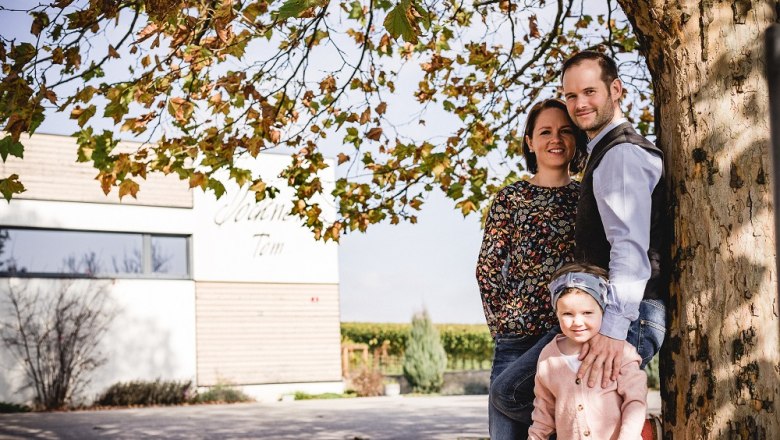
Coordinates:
(258,186)
(128,187)
(343,158)
(198,179)
(76,112)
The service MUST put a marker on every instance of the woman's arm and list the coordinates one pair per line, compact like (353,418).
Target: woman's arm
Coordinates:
(493,254)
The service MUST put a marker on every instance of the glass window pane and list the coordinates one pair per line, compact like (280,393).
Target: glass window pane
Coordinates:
(169,255)
(70,252)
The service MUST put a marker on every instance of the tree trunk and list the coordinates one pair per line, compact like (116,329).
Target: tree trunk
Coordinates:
(721,362)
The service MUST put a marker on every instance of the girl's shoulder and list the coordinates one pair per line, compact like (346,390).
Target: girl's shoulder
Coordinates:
(630,354)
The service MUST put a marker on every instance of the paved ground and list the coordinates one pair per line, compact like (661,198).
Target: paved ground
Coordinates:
(444,417)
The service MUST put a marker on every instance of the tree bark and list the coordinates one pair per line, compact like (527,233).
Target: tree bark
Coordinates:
(721,363)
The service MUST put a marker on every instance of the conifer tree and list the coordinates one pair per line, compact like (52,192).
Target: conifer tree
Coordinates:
(424,358)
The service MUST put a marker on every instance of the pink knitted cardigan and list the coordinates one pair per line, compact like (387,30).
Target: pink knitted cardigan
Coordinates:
(575,411)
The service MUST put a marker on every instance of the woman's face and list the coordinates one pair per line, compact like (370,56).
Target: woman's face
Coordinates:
(553,141)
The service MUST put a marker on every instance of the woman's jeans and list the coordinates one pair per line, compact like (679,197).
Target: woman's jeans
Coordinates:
(508,350)
(512,382)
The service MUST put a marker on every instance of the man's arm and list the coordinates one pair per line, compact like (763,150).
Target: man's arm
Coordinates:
(623,184)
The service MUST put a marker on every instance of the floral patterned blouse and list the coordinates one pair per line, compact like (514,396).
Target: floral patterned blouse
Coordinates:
(529,233)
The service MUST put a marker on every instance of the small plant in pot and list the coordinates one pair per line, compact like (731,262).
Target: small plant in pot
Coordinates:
(392,387)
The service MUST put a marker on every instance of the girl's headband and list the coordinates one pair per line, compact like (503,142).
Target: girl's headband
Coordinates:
(594,285)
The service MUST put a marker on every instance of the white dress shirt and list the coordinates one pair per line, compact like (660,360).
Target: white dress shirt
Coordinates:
(623,185)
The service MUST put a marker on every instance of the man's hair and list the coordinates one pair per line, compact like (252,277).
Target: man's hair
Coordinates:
(609,70)
(579,267)
(580,141)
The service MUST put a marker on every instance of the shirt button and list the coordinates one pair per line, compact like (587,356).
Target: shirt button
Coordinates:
(578,381)
(580,407)
(586,433)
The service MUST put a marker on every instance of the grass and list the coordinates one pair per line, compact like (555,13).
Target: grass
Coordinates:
(300,395)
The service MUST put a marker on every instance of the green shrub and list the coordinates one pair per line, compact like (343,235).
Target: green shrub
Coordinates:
(375,334)
(424,358)
(146,393)
(7,408)
(463,342)
(653,380)
(222,393)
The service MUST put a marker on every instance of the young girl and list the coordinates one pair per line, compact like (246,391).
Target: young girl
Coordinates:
(566,406)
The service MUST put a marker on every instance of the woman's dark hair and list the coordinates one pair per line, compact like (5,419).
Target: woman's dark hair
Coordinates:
(580,145)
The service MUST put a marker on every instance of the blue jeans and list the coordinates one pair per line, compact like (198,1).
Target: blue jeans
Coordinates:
(508,349)
(512,390)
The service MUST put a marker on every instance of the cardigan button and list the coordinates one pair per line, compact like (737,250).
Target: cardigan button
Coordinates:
(586,433)
(578,381)
(580,407)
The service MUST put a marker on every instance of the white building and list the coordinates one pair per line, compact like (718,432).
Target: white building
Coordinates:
(214,291)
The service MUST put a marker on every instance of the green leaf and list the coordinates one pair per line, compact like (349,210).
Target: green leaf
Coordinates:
(22,53)
(216,186)
(36,119)
(253,10)
(398,24)
(425,16)
(9,146)
(356,11)
(294,8)
(10,186)
(85,116)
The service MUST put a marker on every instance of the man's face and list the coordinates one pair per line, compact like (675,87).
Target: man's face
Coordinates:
(591,104)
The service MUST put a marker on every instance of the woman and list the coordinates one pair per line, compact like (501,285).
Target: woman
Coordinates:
(529,233)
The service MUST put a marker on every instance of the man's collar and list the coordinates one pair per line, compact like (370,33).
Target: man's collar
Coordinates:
(592,143)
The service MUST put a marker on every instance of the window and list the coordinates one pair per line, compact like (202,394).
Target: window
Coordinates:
(45,252)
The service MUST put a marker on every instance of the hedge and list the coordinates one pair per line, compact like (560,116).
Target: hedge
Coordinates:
(462,342)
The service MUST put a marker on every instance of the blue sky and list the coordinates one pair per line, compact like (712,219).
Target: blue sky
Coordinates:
(390,272)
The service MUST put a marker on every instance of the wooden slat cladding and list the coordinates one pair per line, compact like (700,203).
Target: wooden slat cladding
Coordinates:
(49,171)
(253,333)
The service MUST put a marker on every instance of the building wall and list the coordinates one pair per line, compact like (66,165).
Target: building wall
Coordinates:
(151,335)
(260,308)
(50,171)
(251,333)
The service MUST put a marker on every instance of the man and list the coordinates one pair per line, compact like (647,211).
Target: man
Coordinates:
(622,226)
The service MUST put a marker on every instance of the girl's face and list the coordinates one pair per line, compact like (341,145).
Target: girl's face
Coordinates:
(579,315)
(552,140)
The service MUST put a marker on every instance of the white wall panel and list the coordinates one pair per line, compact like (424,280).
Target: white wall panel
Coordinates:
(250,333)
(151,336)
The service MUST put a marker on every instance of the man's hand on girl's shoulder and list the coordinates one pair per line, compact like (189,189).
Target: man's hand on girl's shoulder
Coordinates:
(601,358)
